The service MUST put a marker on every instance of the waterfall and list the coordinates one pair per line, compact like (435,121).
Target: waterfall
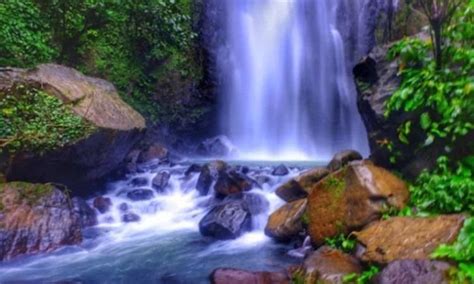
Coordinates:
(286,84)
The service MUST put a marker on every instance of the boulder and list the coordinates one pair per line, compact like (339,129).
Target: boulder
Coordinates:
(226,221)
(238,276)
(130,217)
(300,186)
(87,216)
(343,158)
(139,182)
(83,165)
(285,223)
(256,203)
(194,168)
(154,152)
(102,204)
(327,265)
(160,181)
(35,218)
(209,173)
(140,194)
(400,238)
(123,207)
(280,170)
(415,271)
(232,182)
(351,198)
(219,146)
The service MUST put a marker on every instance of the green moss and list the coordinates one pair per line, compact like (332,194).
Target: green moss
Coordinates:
(298,277)
(31,192)
(32,120)
(336,184)
(305,219)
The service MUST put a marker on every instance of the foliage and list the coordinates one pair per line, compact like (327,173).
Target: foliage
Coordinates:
(133,44)
(35,121)
(24,34)
(341,242)
(445,190)
(363,278)
(461,251)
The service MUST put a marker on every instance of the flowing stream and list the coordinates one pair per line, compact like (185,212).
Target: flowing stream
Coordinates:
(165,246)
(287,85)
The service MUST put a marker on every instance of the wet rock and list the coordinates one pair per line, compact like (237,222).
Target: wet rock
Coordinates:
(83,164)
(285,223)
(280,170)
(401,238)
(351,198)
(102,204)
(160,181)
(130,217)
(262,179)
(237,276)
(226,221)
(219,146)
(194,168)
(153,152)
(123,207)
(300,186)
(41,220)
(84,212)
(343,158)
(209,174)
(327,265)
(415,271)
(139,182)
(256,203)
(232,183)
(140,194)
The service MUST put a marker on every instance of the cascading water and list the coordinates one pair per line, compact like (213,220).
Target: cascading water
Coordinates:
(287,91)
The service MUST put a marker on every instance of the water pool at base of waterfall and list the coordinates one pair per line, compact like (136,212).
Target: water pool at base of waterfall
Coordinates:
(165,246)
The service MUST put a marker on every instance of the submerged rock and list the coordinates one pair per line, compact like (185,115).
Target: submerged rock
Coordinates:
(140,194)
(102,204)
(285,223)
(415,271)
(351,198)
(226,221)
(84,212)
(299,187)
(139,182)
(327,265)
(35,218)
(280,170)
(237,276)
(407,237)
(343,158)
(130,217)
(81,165)
(194,168)
(160,181)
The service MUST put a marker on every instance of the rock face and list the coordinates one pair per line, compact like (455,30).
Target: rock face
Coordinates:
(226,221)
(343,158)
(401,238)
(377,80)
(327,265)
(415,271)
(236,276)
(300,186)
(82,165)
(351,198)
(35,218)
(285,223)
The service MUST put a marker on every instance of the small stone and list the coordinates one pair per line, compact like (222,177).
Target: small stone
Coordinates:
(140,194)
(280,170)
(102,204)
(130,217)
(139,182)
(160,181)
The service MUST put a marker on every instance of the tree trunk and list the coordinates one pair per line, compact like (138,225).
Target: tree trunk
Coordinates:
(438,45)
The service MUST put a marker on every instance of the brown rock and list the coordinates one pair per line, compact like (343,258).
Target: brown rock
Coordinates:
(286,222)
(153,152)
(407,237)
(237,276)
(300,186)
(102,204)
(415,271)
(35,218)
(327,265)
(351,198)
(343,158)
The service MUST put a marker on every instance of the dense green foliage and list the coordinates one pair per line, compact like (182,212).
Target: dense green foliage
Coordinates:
(342,242)
(363,278)
(445,190)
(35,121)
(137,45)
(461,251)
